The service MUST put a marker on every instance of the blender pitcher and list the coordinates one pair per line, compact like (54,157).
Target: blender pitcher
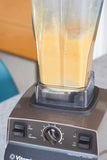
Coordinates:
(65,33)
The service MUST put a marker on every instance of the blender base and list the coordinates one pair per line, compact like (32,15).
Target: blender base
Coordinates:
(82,137)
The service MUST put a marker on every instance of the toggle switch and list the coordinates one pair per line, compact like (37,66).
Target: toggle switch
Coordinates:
(19,129)
(84,141)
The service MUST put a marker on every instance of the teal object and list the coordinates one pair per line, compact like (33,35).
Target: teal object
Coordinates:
(7,85)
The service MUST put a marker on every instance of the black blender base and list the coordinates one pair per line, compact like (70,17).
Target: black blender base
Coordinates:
(66,109)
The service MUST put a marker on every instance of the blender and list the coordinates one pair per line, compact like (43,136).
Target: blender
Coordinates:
(63,115)
(65,34)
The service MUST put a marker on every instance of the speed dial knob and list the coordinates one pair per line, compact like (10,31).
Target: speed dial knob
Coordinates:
(52,135)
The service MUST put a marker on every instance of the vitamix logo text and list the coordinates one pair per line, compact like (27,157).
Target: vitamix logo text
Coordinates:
(18,157)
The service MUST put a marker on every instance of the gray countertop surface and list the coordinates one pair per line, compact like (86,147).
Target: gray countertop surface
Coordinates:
(100,68)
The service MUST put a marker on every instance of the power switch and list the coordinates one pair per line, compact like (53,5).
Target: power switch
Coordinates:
(84,141)
(19,129)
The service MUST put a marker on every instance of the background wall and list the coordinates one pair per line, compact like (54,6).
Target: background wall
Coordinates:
(16,33)
(101,41)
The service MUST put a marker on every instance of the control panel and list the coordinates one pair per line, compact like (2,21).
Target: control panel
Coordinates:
(53,135)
